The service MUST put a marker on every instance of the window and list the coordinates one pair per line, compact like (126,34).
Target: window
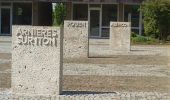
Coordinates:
(109,13)
(80,12)
(132,13)
(22,13)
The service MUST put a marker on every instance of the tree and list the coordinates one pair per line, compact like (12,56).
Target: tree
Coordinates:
(157,18)
(59,14)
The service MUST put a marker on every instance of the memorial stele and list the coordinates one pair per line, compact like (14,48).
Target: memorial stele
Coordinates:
(75,39)
(36,60)
(120,36)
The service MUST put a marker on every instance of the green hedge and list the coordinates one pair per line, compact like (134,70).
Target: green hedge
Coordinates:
(143,40)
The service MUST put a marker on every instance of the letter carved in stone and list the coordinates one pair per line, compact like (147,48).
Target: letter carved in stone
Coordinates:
(37,37)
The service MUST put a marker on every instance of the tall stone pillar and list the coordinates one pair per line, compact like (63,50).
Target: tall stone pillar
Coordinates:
(120,37)
(37,61)
(120,12)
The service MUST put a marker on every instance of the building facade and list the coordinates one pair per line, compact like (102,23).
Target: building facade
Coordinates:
(23,12)
(99,13)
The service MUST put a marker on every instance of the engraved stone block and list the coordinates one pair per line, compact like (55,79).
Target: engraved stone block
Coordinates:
(75,39)
(36,60)
(120,36)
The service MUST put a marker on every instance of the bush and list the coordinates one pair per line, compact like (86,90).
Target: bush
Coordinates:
(139,39)
(133,34)
(156,18)
(143,40)
(59,14)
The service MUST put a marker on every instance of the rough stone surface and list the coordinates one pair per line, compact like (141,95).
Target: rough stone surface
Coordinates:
(93,96)
(75,39)
(36,62)
(120,36)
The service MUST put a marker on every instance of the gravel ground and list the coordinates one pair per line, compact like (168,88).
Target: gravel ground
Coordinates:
(93,96)
(116,70)
(142,74)
(104,51)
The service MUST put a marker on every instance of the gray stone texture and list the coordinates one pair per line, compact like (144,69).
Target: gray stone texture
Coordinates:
(98,96)
(75,39)
(120,36)
(36,63)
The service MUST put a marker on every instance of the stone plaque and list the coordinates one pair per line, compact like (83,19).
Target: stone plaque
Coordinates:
(120,36)
(36,60)
(75,39)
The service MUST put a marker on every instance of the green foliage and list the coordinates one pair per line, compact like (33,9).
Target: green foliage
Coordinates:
(139,39)
(143,40)
(133,34)
(157,18)
(59,14)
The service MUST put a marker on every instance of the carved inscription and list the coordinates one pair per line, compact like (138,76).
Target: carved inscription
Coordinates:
(119,25)
(37,37)
(76,25)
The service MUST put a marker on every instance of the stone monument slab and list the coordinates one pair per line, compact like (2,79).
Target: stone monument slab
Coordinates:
(36,60)
(120,36)
(75,39)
